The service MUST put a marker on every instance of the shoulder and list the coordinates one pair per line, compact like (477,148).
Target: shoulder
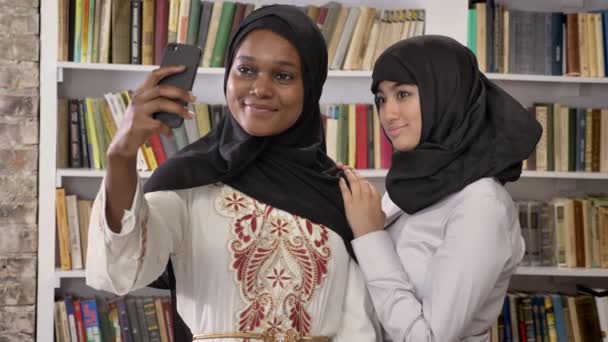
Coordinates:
(485,200)
(483,192)
(204,193)
(485,188)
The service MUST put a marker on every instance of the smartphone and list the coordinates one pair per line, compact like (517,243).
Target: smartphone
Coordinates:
(179,54)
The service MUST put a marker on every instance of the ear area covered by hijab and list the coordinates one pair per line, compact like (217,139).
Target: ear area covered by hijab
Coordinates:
(471,128)
(289,171)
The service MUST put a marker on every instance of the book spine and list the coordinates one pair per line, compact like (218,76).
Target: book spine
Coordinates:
(82,335)
(63,231)
(75,143)
(84,137)
(141,317)
(203,28)
(123,319)
(160,29)
(217,59)
(136,31)
(148,29)
(133,320)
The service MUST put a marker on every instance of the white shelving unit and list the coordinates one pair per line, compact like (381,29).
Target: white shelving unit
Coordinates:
(547,78)
(77,80)
(370,173)
(562,271)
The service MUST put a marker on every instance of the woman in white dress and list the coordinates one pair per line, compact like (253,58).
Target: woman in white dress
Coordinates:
(440,269)
(250,216)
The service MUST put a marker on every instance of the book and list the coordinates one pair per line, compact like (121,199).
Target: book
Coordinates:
(121,32)
(63,230)
(161,9)
(223,32)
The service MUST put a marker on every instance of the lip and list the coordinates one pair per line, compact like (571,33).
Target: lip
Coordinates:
(394,131)
(259,109)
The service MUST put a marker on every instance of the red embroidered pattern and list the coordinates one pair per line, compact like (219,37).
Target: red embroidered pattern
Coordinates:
(279,261)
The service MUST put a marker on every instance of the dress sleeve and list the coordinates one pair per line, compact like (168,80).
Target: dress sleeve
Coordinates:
(152,230)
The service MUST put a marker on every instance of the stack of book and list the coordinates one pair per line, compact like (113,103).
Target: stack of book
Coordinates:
(565,232)
(72,217)
(119,319)
(573,139)
(136,31)
(87,126)
(553,317)
(545,43)
(354,136)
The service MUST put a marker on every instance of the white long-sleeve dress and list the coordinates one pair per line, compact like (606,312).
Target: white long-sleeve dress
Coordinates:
(240,265)
(441,274)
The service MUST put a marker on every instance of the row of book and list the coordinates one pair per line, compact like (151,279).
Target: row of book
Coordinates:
(546,43)
(86,127)
(553,317)
(72,233)
(122,319)
(565,232)
(355,137)
(136,31)
(573,139)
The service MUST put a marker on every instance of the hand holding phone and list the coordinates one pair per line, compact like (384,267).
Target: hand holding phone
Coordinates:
(179,54)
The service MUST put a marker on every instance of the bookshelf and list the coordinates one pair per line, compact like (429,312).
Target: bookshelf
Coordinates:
(379,173)
(77,80)
(546,78)
(70,66)
(67,67)
(561,272)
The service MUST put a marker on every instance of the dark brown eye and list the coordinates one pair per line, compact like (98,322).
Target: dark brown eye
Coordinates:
(284,76)
(403,94)
(245,70)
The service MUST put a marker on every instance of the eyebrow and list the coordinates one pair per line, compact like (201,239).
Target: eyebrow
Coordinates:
(280,62)
(395,86)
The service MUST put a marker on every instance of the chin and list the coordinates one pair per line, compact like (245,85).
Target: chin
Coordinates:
(257,130)
(403,147)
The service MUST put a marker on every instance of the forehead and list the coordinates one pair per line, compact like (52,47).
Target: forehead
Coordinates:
(388,86)
(268,45)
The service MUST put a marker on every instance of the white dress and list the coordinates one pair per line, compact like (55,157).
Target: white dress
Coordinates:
(240,265)
(441,274)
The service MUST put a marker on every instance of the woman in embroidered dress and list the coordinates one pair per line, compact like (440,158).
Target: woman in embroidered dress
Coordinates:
(250,216)
(441,268)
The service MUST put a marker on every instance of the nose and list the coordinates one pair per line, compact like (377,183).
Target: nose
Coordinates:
(389,112)
(261,86)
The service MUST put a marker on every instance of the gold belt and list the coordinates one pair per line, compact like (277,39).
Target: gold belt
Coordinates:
(267,336)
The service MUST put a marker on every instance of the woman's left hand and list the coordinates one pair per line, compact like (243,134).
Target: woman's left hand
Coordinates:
(362,203)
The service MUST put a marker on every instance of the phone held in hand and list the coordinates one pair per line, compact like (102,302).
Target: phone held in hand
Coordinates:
(179,54)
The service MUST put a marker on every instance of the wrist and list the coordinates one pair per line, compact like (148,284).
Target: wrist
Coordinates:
(116,157)
(117,154)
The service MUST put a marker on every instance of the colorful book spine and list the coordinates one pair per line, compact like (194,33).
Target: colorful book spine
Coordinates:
(91,320)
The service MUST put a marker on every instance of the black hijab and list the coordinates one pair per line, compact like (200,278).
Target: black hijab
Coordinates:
(290,171)
(471,128)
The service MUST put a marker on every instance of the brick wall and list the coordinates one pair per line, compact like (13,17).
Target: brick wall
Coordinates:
(19,91)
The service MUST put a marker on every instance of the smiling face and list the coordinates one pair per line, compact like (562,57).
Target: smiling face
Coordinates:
(265,90)
(400,114)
